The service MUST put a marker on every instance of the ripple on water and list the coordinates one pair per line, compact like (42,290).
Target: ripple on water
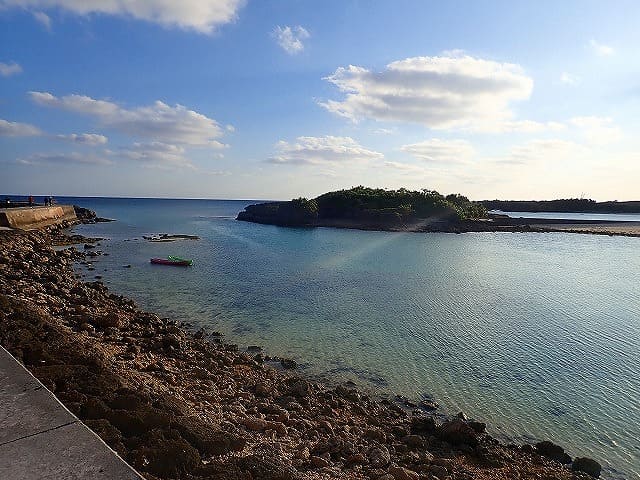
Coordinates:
(535,334)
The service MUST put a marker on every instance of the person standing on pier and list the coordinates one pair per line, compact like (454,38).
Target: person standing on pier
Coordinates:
(30,200)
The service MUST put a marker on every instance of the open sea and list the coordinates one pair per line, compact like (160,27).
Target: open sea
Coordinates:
(536,334)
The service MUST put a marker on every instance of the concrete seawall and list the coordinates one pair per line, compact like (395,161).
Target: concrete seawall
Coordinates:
(30,218)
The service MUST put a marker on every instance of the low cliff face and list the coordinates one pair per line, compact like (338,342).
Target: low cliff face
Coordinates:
(279,213)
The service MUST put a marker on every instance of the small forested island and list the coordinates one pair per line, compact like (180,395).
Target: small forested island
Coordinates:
(371,209)
(426,210)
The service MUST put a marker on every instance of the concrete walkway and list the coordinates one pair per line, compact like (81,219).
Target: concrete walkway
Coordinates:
(41,439)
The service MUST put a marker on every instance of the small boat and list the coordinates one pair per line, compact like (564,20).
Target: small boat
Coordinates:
(172,260)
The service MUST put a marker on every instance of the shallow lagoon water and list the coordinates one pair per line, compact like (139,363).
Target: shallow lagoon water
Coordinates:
(536,334)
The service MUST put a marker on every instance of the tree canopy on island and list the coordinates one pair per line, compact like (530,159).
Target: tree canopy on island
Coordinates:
(368,205)
(404,203)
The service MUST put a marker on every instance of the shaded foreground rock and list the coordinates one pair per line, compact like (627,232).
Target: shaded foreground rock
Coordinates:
(587,465)
(177,406)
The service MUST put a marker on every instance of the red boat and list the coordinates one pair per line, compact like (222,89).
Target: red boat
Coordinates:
(175,261)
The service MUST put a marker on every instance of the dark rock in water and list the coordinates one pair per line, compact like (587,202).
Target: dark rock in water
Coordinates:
(84,213)
(479,427)
(527,448)
(587,465)
(254,348)
(553,451)
(87,246)
(126,266)
(457,432)
(428,405)
(423,425)
(288,364)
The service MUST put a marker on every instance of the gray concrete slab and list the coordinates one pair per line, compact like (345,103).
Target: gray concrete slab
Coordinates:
(70,452)
(26,407)
(41,439)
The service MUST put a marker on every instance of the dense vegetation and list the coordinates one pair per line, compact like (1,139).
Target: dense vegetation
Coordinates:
(400,204)
(362,204)
(579,205)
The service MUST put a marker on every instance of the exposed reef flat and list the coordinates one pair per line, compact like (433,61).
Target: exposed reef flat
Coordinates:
(181,404)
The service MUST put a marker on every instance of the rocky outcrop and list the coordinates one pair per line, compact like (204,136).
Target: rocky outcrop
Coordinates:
(88,216)
(587,465)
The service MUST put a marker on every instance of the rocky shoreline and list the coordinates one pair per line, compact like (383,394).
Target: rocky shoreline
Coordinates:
(184,405)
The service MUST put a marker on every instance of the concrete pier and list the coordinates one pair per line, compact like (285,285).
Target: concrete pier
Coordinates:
(31,218)
(41,439)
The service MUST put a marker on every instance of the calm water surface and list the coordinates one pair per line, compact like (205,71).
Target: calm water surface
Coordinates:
(615,217)
(536,334)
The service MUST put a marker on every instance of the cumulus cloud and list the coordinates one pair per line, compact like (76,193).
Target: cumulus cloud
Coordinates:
(440,92)
(569,79)
(16,129)
(91,139)
(202,16)
(322,150)
(43,19)
(64,158)
(598,130)
(407,168)
(541,150)
(8,69)
(600,49)
(291,38)
(157,154)
(158,121)
(441,151)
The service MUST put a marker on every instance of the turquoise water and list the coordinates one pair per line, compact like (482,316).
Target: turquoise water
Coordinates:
(536,334)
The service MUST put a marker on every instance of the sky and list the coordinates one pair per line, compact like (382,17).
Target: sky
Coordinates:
(275,99)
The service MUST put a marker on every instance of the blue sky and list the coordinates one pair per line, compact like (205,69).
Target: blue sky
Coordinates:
(276,99)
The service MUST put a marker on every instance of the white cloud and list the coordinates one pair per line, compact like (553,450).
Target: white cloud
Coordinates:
(291,38)
(322,150)
(43,19)
(159,121)
(598,130)
(542,150)
(203,16)
(407,168)
(569,79)
(439,92)
(157,154)
(437,150)
(520,126)
(384,131)
(64,158)
(8,69)
(91,139)
(16,129)
(600,49)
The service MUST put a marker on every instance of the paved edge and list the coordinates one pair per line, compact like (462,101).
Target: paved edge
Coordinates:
(113,460)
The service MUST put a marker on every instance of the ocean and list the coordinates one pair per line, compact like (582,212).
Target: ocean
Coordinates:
(536,334)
